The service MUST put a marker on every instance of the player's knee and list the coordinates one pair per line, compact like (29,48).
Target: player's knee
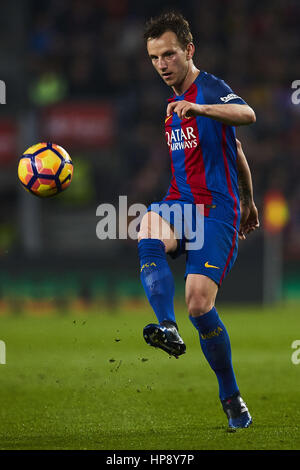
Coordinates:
(199,304)
(143,234)
(153,226)
(145,228)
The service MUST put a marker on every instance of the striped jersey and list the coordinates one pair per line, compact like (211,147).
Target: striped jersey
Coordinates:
(203,153)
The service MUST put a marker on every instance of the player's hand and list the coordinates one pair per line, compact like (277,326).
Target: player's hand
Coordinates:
(249,220)
(184,109)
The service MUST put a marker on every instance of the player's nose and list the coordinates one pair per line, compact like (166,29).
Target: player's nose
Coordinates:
(161,64)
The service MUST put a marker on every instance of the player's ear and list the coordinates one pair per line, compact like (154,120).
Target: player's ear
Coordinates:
(190,50)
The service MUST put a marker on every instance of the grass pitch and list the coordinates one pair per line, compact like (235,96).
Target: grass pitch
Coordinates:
(91,382)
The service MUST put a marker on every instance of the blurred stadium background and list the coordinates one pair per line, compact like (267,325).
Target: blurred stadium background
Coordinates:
(77,73)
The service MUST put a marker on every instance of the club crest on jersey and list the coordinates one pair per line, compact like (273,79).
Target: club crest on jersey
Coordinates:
(179,139)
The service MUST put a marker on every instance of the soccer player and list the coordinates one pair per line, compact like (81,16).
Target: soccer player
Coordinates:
(210,174)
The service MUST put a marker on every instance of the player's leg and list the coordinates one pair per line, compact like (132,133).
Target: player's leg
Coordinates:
(201,293)
(153,226)
(205,271)
(155,239)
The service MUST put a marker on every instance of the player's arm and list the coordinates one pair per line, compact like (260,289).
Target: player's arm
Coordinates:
(231,114)
(249,214)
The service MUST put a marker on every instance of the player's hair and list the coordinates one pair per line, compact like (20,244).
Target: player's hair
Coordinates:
(169,21)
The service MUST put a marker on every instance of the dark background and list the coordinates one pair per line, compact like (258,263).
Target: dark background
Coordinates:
(91,55)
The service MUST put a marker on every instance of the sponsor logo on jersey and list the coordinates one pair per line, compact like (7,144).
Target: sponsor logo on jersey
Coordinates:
(229,97)
(179,139)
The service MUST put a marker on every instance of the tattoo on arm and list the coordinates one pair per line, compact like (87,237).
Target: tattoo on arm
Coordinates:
(244,177)
(244,189)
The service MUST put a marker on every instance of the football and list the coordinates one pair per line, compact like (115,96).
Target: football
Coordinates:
(45,169)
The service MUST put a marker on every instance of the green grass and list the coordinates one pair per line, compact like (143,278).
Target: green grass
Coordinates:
(91,382)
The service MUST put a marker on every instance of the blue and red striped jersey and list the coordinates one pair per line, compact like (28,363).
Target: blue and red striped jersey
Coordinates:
(203,153)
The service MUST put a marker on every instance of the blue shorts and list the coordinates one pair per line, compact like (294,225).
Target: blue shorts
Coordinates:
(216,250)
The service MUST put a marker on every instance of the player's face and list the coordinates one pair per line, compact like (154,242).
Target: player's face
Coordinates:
(169,59)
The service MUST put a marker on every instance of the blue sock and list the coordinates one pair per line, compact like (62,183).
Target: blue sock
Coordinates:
(157,278)
(216,348)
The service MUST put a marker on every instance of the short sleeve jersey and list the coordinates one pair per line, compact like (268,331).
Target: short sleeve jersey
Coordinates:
(203,153)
